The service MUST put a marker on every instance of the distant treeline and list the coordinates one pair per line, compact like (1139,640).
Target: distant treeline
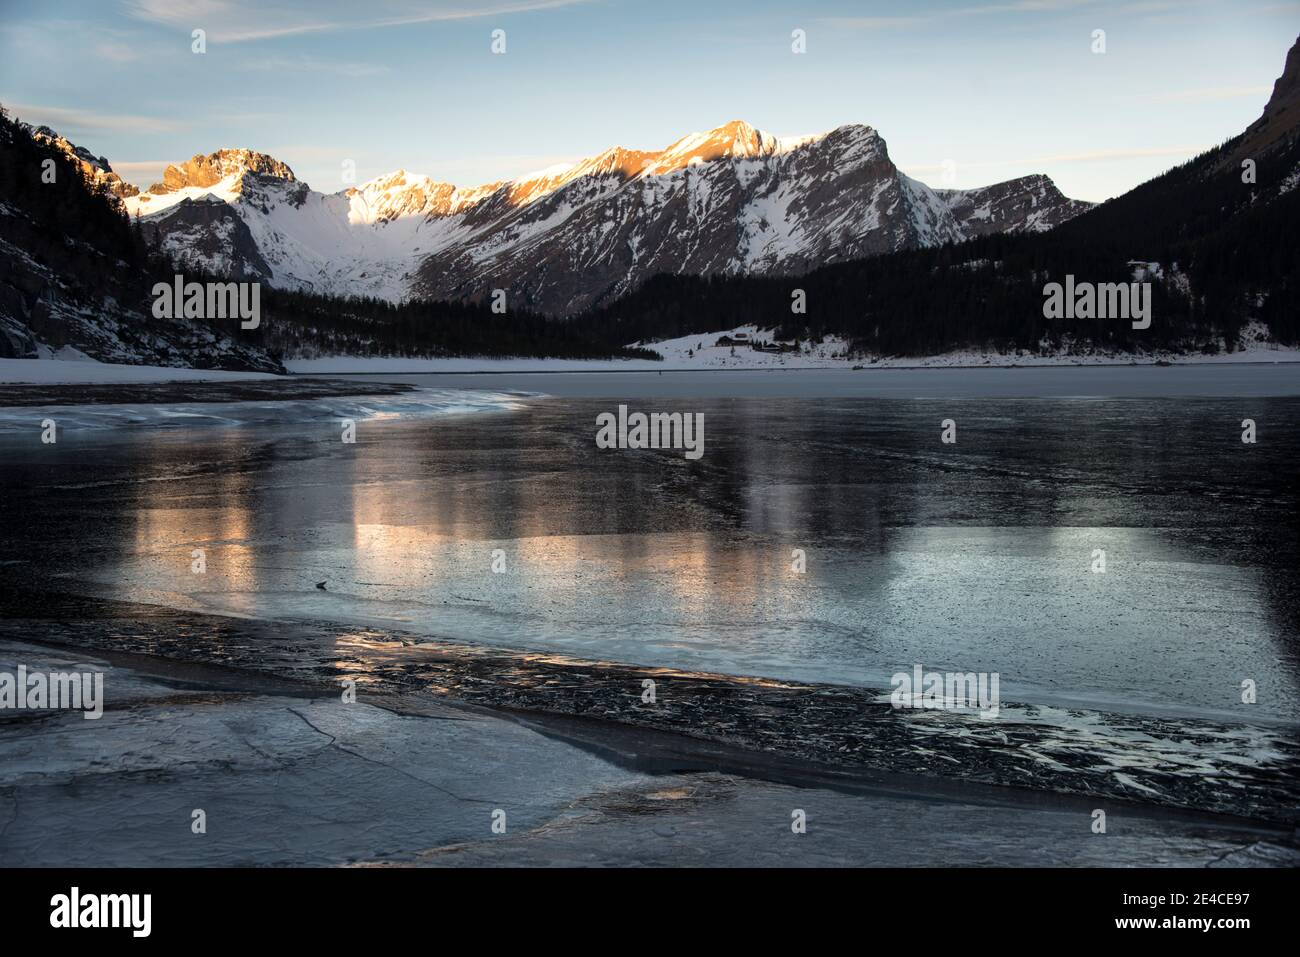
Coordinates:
(302,324)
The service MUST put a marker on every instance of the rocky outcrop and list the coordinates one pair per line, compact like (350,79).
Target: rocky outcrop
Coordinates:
(95,168)
(214,167)
(74,278)
(1030,204)
(208,235)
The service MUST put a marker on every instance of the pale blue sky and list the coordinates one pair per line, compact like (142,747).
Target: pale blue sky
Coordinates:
(1000,89)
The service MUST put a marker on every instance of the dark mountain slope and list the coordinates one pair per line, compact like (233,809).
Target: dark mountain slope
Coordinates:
(1229,253)
(75,274)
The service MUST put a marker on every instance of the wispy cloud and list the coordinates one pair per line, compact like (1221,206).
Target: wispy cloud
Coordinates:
(142,173)
(238,21)
(140,166)
(58,39)
(73,121)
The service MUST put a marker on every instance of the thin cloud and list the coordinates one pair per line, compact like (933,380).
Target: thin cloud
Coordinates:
(69,121)
(142,173)
(239,21)
(140,166)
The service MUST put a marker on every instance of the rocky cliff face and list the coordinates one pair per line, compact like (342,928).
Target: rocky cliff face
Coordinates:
(1031,204)
(214,167)
(732,200)
(207,235)
(73,277)
(95,168)
(1278,127)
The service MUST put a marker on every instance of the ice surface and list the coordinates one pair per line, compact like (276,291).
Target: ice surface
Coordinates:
(297,777)
(306,412)
(86,371)
(967,558)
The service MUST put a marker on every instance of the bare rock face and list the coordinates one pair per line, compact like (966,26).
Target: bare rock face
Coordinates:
(1279,124)
(1030,204)
(214,167)
(95,168)
(732,200)
(402,194)
(1282,112)
(208,235)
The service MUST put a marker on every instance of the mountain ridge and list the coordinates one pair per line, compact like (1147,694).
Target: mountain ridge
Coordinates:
(731,200)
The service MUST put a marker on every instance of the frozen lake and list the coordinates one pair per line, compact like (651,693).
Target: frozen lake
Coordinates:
(976,556)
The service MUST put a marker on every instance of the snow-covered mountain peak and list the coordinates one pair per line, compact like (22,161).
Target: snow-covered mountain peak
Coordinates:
(734,140)
(397,179)
(616,161)
(852,143)
(228,174)
(397,194)
(213,168)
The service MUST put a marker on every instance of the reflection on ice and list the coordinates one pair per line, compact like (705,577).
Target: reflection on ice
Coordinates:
(971,558)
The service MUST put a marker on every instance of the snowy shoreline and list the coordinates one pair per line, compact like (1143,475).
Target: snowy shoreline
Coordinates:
(1112,380)
(462,366)
(89,372)
(37,372)
(729,350)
